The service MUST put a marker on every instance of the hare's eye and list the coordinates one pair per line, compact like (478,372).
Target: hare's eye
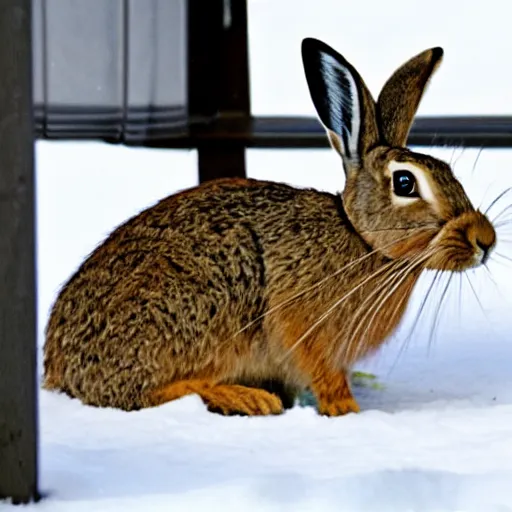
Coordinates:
(404,184)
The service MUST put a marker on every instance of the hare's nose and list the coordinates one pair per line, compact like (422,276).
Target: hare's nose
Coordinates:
(482,235)
(485,238)
(486,248)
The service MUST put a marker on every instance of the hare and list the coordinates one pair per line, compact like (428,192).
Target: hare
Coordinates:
(244,292)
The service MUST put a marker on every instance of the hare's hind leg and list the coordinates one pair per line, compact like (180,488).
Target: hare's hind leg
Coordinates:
(286,391)
(227,399)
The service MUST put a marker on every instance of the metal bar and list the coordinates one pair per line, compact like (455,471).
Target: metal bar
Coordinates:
(289,132)
(218,77)
(18,394)
(306,132)
(469,131)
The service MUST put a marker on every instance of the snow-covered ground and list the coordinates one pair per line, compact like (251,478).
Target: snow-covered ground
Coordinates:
(436,437)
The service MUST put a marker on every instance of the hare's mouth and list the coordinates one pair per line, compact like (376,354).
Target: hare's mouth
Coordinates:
(455,258)
(463,243)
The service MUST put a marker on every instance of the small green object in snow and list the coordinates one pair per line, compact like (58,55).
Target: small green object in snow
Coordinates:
(358,380)
(365,380)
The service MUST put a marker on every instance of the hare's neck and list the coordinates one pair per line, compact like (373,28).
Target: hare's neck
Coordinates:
(344,317)
(335,295)
(385,288)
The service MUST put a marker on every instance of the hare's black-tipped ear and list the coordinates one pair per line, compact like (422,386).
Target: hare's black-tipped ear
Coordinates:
(402,93)
(343,103)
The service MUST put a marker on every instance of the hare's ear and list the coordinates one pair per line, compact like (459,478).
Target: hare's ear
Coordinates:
(402,93)
(343,103)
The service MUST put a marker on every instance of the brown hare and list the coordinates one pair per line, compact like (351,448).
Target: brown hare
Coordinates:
(245,292)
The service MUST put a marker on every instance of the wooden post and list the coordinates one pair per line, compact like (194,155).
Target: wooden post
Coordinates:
(18,394)
(218,80)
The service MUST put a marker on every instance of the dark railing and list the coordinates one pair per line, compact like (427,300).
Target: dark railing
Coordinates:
(217,123)
(305,132)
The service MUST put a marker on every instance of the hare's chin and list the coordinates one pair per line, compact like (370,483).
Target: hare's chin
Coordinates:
(478,258)
(476,261)
(453,264)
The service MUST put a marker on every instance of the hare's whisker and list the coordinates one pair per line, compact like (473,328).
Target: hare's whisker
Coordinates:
(460,295)
(506,221)
(319,283)
(421,309)
(399,304)
(478,300)
(491,277)
(503,256)
(497,288)
(357,320)
(401,277)
(482,201)
(454,148)
(458,157)
(499,262)
(505,210)
(503,193)
(503,227)
(375,309)
(480,149)
(410,228)
(438,310)
(388,277)
(333,307)
(383,286)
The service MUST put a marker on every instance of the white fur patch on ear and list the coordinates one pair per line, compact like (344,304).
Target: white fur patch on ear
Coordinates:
(423,183)
(342,100)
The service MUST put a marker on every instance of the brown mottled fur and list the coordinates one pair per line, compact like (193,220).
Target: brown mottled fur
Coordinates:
(199,293)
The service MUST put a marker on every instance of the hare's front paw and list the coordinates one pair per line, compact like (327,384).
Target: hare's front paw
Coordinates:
(227,399)
(333,394)
(338,407)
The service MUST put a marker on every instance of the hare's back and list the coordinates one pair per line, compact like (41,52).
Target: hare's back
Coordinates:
(218,237)
(225,234)
(171,286)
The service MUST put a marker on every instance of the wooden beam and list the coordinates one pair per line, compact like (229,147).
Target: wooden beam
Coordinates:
(218,80)
(18,395)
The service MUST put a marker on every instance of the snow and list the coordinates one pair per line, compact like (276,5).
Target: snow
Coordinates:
(436,437)
(417,457)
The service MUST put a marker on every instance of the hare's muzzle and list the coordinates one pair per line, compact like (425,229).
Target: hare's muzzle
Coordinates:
(464,242)
(483,238)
